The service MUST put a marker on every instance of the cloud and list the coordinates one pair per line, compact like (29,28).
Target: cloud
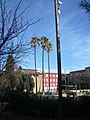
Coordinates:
(82,53)
(75,40)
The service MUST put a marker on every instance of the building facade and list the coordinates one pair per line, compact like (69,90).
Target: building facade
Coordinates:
(80,77)
(39,79)
(53,82)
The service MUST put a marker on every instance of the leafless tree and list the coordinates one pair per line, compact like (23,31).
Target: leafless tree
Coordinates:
(13,26)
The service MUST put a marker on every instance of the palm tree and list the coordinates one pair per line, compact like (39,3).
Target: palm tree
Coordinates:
(34,42)
(49,49)
(44,41)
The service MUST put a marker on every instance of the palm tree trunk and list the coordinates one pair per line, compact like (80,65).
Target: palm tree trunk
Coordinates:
(35,67)
(49,70)
(43,70)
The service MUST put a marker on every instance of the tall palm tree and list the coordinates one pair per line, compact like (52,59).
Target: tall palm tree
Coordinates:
(34,42)
(44,41)
(49,49)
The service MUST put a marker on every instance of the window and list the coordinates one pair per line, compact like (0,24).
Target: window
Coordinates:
(46,75)
(46,80)
(53,80)
(53,84)
(50,80)
(50,75)
(53,75)
(56,75)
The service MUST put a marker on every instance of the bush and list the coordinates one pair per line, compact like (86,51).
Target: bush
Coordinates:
(34,105)
(78,107)
(84,104)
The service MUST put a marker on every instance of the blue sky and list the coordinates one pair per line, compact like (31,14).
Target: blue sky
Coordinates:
(74,34)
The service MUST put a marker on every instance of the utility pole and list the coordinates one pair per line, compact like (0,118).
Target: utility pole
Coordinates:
(0,63)
(57,3)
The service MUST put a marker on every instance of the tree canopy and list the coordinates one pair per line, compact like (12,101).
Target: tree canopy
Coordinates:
(26,82)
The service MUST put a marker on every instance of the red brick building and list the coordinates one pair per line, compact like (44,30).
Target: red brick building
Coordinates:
(53,82)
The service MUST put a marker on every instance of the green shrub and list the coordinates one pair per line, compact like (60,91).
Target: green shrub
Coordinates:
(33,105)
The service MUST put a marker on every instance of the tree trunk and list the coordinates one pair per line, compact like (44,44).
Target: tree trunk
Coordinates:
(43,70)
(49,70)
(35,67)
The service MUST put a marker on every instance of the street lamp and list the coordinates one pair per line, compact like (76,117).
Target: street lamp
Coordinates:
(58,47)
(57,11)
(59,2)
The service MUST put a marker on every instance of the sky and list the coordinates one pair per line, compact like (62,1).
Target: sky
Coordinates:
(74,34)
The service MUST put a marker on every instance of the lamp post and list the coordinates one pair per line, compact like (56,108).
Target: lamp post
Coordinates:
(57,11)
(0,62)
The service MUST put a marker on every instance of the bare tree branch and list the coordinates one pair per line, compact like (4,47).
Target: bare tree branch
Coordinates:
(85,4)
(12,27)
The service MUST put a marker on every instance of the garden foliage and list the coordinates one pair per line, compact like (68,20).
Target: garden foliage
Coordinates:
(34,105)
